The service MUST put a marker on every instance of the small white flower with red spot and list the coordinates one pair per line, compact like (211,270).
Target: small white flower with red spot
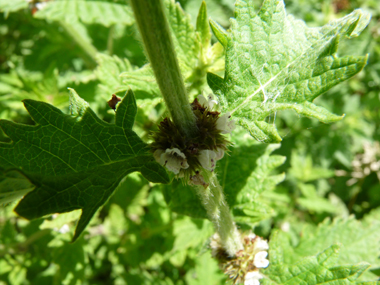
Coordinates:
(173,159)
(225,124)
(207,158)
(208,102)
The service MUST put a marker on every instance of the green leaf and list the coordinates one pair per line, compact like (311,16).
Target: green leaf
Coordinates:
(203,27)
(60,220)
(319,269)
(190,233)
(246,173)
(141,80)
(129,108)
(303,170)
(108,71)
(220,33)
(206,271)
(75,162)
(71,258)
(183,199)
(359,241)
(7,6)
(115,224)
(131,195)
(275,62)
(89,12)
(183,35)
(314,203)
(13,186)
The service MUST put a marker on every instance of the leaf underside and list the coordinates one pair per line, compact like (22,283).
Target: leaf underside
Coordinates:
(75,161)
(275,62)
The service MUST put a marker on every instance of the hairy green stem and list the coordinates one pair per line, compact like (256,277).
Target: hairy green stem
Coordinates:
(158,44)
(218,212)
(154,29)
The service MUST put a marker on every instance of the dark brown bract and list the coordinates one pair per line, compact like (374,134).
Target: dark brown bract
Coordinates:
(200,151)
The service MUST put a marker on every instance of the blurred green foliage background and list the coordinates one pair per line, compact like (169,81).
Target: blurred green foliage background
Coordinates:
(331,170)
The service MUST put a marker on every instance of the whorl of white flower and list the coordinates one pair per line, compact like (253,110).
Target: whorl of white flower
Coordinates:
(261,244)
(252,278)
(208,102)
(225,124)
(260,260)
(172,158)
(251,236)
(207,158)
(41,5)
(285,227)
(64,229)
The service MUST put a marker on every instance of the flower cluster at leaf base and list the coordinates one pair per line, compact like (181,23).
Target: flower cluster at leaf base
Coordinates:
(244,267)
(188,156)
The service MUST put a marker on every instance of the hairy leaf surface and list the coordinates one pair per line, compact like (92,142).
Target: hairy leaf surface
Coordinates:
(76,161)
(321,268)
(243,184)
(360,241)
(89,12)
(275,62)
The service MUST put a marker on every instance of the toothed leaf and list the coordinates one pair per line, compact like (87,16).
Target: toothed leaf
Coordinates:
(75,161)
(275,62)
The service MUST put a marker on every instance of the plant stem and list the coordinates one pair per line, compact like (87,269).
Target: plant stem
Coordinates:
(85,45)
(154,29)
(218,212)
(110,40)
(158,44)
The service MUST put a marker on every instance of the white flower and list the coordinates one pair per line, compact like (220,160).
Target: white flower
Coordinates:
(41,5)
(225,124)
(251,236)
(172,158)
(207,158)
(208,102)
(260,260)
(64,229)
(252,278)
(285,226)
(261,244)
